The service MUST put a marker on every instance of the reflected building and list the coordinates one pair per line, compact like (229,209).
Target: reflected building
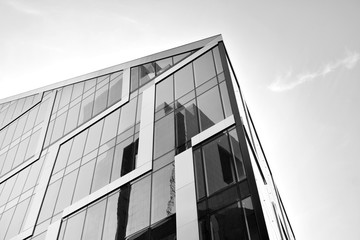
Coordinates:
(162,147)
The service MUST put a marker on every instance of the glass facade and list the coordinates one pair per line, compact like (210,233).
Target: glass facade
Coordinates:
(98,156)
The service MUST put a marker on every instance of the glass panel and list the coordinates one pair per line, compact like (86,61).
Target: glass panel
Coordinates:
(223,199)
(136,206)
(89,84)
(17,219)
(20,181)
(235,145)
(111,221)
(218,164)
(204,68)
(127,117)
(19,158)
(9,160)
(20,127)
(49,201)
(94,221)
(33,175)
(72,118)
(165,231)
(163,193)
(180,57)
(210,109)
(110,126)
(100,103)
(184,81)
(83,184)
(217,58)
(102,170)
(93,138)
(5,221)
(186,123)
(163,65)
(164,135)
(65,96)
(118,158)
(86,109)
(134,80)
(163,160)
(77,91)
(74,226)
(251,218)
(115,88)
(78,147)
(7,190)
(229,223)
(199,174)
(9,134)
(62,156)
(129,157)
(225,99)
(59,127)
(66,191)
(147,72)
(164,94)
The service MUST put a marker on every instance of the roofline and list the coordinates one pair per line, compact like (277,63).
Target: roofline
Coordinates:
(118,67)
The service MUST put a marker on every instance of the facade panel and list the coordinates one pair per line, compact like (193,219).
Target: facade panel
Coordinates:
(162,147)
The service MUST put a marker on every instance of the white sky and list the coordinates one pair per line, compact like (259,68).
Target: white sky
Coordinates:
(298,64)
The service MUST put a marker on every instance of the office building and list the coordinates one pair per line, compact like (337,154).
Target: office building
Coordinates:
(162,147)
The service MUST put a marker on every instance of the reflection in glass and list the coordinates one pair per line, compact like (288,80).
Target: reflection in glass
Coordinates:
(210,109)
(163,65)
(164,135)
(164,94)
(94,221)
(184,81)
(218,164)
(204,68)
(163,193)
(147,72)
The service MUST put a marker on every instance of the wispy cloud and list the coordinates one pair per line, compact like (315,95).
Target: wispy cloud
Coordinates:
(288,81)
(24,8)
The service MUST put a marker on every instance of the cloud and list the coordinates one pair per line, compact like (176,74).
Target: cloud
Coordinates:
(21,7)
(288,81)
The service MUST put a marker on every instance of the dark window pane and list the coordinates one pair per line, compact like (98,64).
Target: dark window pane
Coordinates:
(223,199)
(251,218)
(74,226)
(133,210)
(199,174)
(210,109)
(147,72)
(164,135)
(229,223)
(163,65)
(184,81)
(218,164)
(134,80)
(165,231)
(94,221)
(204,68)
(116,80)
(118,158)
(129,157)
(163,193)
(186,123)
